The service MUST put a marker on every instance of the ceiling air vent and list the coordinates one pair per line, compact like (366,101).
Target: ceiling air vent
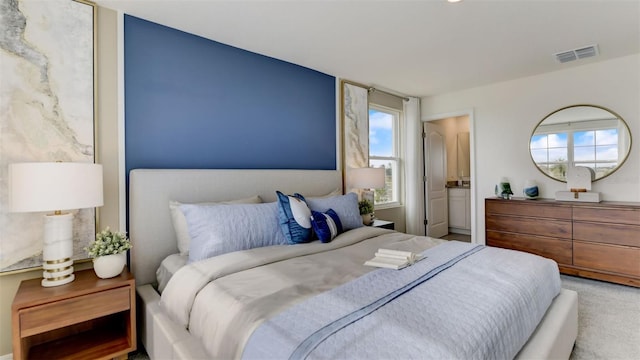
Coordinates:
(575,54)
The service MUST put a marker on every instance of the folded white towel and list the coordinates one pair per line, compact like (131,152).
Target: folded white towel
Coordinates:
(394,259)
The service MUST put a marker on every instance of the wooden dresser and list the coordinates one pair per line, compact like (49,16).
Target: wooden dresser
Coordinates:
(593,240)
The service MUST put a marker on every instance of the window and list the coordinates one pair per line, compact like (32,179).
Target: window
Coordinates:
(596,149)
(384,152)
(549,151)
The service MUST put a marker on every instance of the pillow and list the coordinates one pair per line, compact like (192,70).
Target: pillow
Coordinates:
(346,206)
(180,223)
(220,229)
(334,192)
(326,225)
(294,217)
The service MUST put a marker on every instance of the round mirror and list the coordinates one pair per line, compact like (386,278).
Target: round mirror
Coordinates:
(580,135)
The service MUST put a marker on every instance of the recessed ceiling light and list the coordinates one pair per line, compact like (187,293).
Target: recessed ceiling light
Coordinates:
(454,1)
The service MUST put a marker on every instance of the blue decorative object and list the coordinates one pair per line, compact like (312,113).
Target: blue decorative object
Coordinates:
(530,190)
(294,217)
(326,225)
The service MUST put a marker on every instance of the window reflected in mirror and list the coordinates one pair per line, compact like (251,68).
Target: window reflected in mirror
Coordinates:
(580,135)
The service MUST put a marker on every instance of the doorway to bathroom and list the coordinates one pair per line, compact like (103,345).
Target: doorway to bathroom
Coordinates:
(448,181)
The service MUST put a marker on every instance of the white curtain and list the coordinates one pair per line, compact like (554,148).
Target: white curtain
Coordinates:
(413,168)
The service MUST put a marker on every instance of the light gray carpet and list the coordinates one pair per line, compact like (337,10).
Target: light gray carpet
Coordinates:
(608,320)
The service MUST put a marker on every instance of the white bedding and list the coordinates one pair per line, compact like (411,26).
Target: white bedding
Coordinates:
(464,301)
(154,239)
(224,299)
(168,267)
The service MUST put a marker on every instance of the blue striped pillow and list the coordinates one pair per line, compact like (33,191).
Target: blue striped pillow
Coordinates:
(326,225)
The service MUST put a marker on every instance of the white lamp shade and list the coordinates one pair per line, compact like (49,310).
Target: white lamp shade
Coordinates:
(50,186)
(367,178)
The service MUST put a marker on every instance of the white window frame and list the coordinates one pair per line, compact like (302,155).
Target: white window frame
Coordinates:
(570,161)
(395,158)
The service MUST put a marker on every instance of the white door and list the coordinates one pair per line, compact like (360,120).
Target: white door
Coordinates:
(435,190)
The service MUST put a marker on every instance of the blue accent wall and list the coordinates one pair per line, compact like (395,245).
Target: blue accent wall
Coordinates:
(195,103)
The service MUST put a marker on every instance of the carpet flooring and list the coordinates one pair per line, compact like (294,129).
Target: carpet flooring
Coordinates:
(608,321)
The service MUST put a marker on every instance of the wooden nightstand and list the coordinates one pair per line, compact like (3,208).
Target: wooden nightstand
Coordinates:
(383,224)
(89,318)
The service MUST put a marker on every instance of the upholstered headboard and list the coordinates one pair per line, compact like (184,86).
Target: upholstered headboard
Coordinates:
(150,191)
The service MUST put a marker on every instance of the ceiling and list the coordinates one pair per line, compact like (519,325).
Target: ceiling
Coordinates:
(417,48)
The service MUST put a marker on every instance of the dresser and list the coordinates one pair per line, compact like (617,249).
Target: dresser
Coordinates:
(593,240)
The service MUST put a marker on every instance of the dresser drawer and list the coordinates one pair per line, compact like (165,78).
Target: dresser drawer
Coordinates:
(528,208)
(560,229)
(629,216)
(628,235)
(612,258)
(558,250)
(50,316)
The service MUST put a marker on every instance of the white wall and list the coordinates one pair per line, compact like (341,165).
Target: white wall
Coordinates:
(506,113)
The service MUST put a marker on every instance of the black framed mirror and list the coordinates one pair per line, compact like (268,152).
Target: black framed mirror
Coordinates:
(580,135)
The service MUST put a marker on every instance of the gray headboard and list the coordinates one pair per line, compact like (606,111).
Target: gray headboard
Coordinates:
(150,191)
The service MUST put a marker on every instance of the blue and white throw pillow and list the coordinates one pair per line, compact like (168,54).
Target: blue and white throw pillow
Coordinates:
(346,206)
(326,225)
(294,217)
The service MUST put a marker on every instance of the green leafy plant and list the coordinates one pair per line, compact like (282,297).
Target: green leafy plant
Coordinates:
(365,207)
(108,242)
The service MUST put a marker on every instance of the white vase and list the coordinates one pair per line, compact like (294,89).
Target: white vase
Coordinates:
(109,266)
(367,219)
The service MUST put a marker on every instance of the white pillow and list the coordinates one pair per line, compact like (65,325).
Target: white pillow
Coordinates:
(180,223)
(334,192)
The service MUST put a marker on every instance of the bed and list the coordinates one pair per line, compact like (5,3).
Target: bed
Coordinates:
(165,335)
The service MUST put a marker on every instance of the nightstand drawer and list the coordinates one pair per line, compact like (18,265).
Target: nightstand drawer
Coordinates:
(46,317)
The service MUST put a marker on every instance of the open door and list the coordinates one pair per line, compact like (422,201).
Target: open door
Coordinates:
(435,190)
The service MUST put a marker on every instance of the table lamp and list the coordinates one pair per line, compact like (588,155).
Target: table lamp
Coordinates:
(367,178)
(55,186)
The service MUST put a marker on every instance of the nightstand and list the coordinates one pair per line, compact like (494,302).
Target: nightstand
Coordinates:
(383,224)
(89,318)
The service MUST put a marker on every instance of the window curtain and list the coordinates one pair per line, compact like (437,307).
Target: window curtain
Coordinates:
(414,192)
(384,99)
